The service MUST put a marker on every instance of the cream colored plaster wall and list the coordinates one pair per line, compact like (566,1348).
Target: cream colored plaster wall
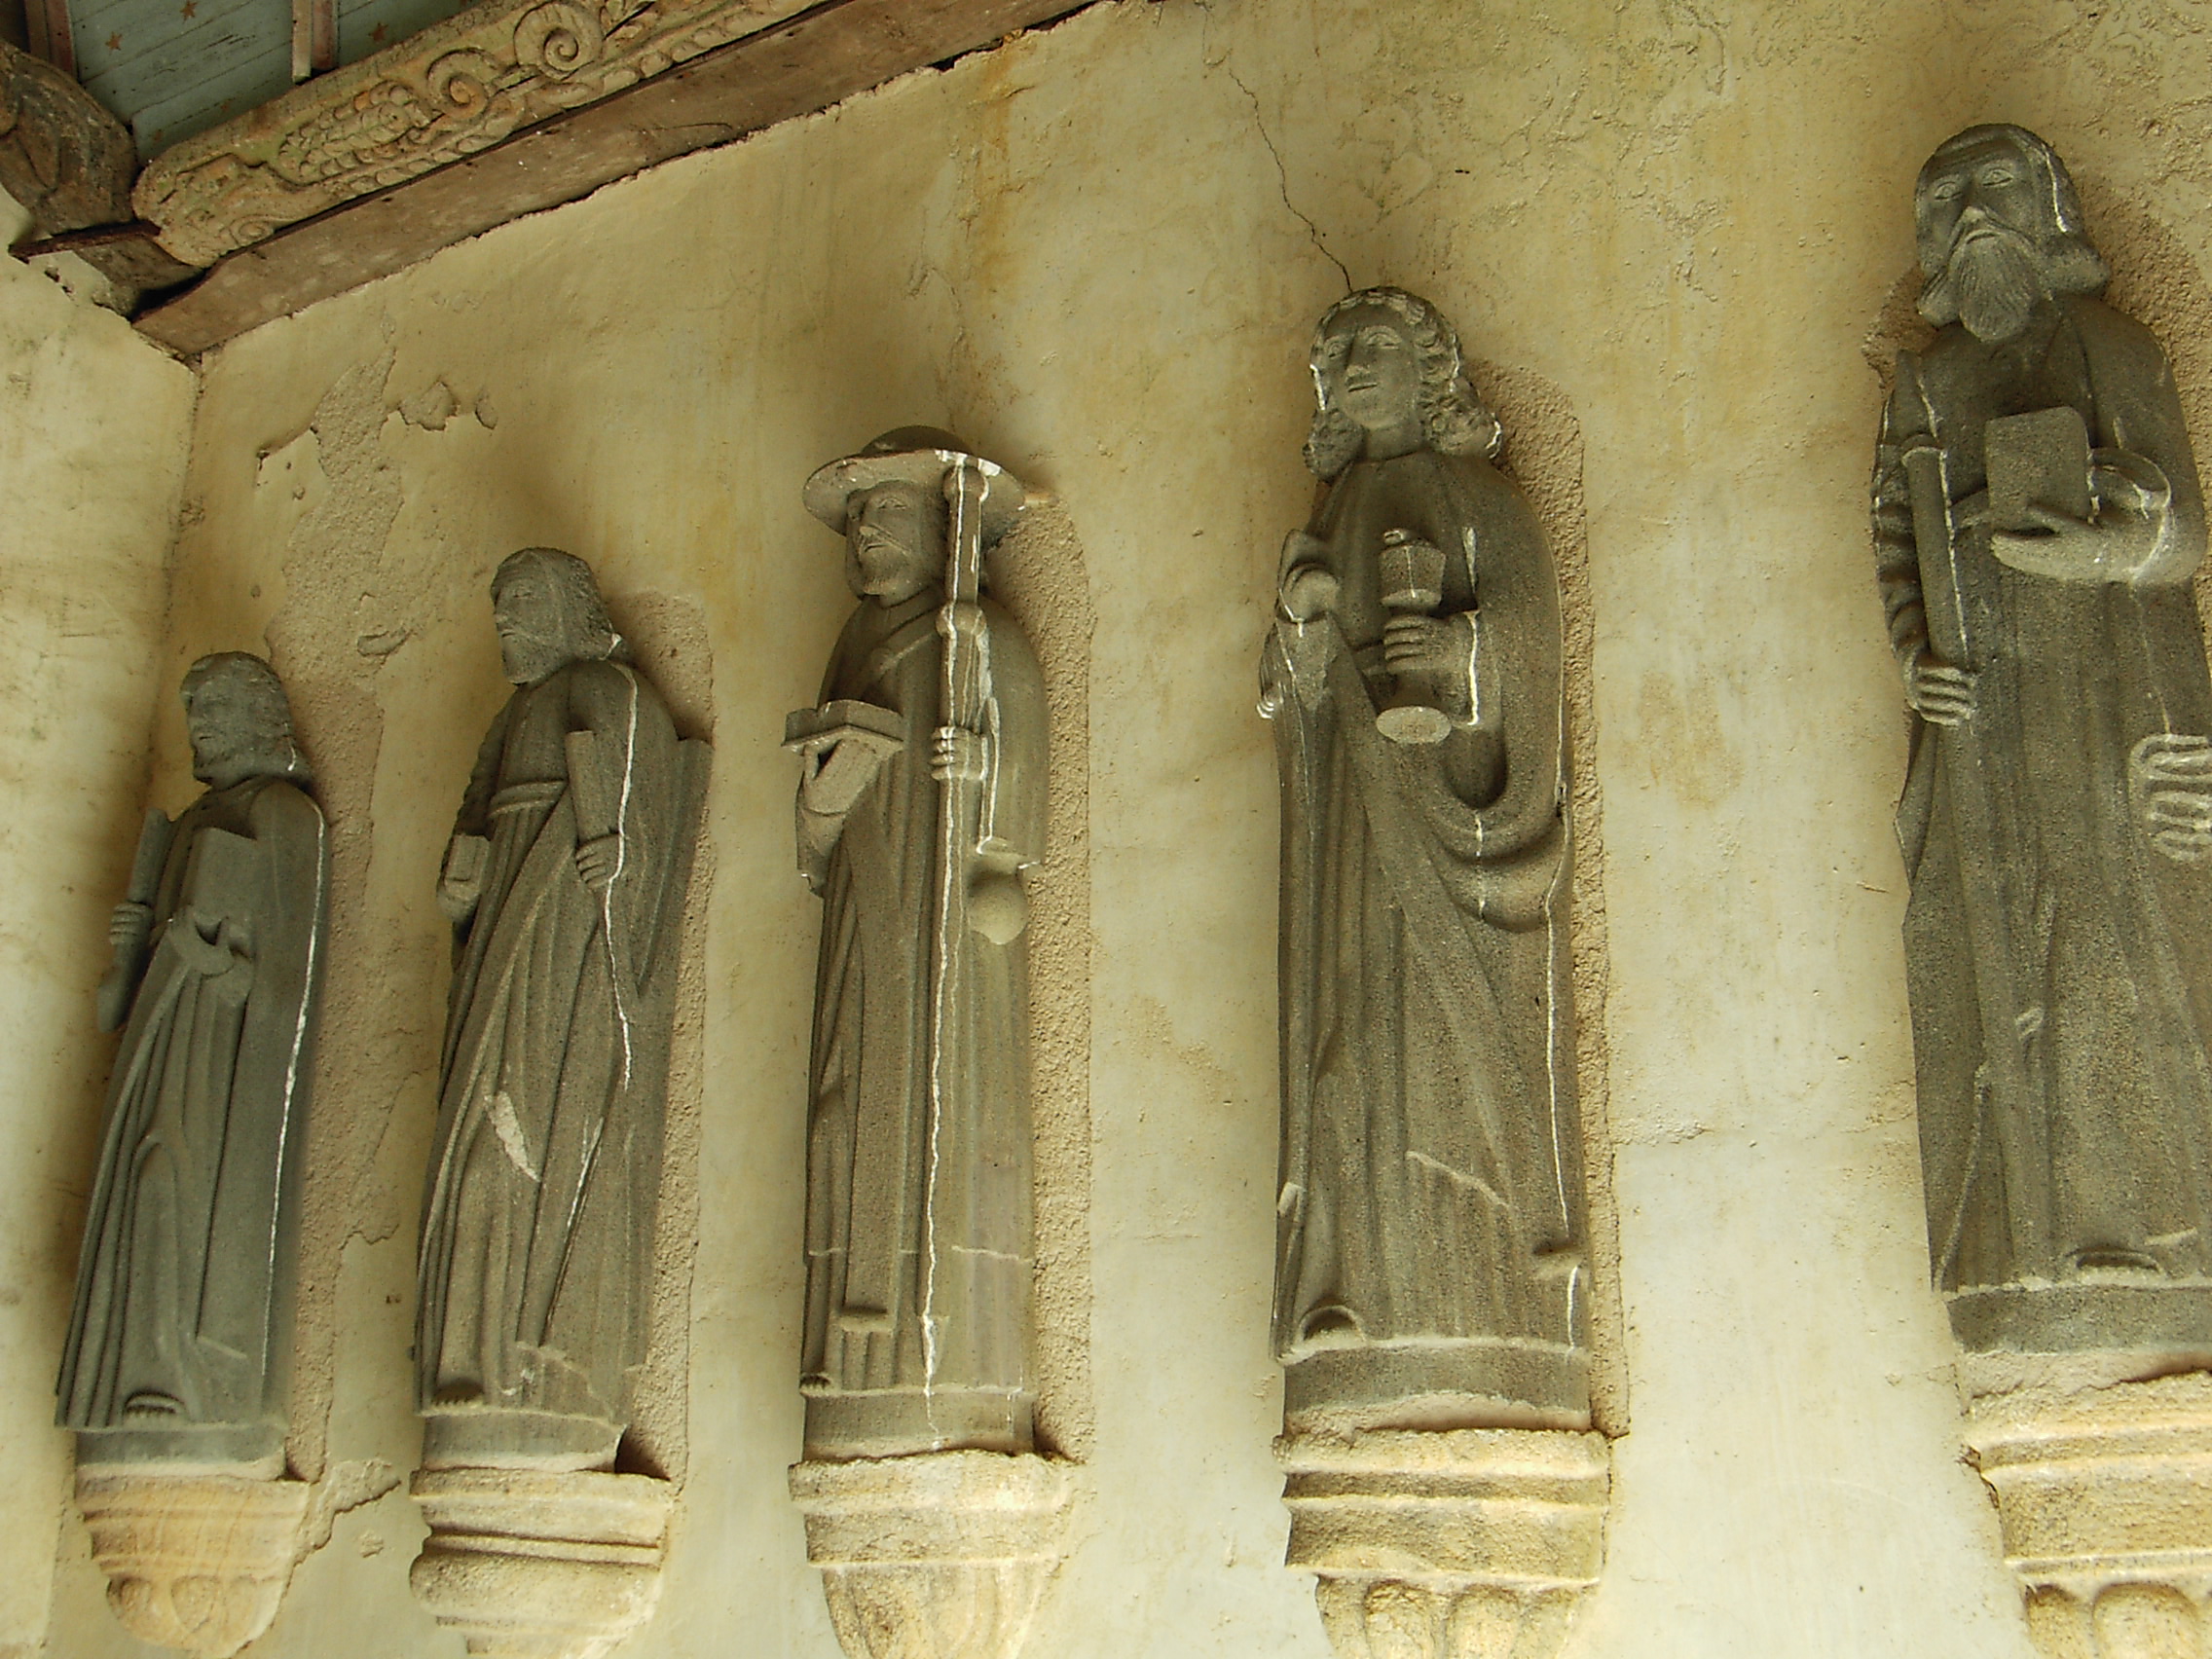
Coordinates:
(1098,254)
(93,427)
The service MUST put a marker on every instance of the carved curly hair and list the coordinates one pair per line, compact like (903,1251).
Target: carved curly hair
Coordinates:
(1453,419)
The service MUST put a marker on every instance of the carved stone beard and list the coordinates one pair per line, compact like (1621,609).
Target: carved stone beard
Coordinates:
(1992,282)
(528,658)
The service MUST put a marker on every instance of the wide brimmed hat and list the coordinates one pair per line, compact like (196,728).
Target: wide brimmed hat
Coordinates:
(911,454)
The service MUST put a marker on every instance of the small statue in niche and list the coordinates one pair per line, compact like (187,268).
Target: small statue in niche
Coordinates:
(2037,524)
(1431,1212)
(564,882)
(181,1340)
(922,802)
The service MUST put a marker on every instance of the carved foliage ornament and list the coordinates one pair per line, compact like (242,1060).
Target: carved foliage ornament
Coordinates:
(458,87)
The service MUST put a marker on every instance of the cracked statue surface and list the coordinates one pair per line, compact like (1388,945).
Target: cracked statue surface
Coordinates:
(2037,524)
(179,1343)
(1431,1271)
(921,804)
(564,882)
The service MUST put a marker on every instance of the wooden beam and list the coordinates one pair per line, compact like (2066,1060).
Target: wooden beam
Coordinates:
(805,64)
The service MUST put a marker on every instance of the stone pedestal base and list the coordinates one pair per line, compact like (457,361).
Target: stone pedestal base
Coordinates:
(943,1555)
(1455,1544)
(2106,1501)
(194,1562)
(531,1564)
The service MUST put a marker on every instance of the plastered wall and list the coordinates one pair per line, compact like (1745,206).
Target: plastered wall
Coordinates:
(1680,233)
(93,425)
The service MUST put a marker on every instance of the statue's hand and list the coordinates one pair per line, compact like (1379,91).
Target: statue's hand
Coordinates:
(461,883)
(2169,774)
(955,751)
(836,776)
(2119,540)
(1936,691)
(1308,591)
(129,925)
(1425,645)
(597,859)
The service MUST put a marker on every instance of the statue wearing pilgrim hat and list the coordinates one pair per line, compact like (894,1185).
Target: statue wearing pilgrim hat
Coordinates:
(922,802)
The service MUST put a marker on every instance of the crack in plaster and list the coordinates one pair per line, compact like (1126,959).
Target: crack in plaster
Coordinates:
(1260,125)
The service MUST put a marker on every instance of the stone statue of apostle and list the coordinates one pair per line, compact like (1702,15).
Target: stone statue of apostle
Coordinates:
(2037,523)
(1430,1221)
(564,882)
(179,1343)
(915,821)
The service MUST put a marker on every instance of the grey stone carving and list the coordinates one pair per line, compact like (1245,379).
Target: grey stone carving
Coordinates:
(564,882)
(180,1339)
(922,800)
(2036,522)
(1432,1264)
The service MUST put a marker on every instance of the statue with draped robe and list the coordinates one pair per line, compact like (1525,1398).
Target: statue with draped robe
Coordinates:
(564,882)
(180,1339)
(1431,1270)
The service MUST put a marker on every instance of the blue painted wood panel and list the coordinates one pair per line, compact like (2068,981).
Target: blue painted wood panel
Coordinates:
(171,67)
(368,26)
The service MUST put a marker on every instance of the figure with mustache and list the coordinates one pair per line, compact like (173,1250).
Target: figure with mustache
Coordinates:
(565,884)
(1431,1269)
(2057,816)
(918,1241)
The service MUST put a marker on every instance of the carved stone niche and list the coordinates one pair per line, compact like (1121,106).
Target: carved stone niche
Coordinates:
(533,1564)
(1467,1544)
(942,1556)
(2105,1498)
(195,1561)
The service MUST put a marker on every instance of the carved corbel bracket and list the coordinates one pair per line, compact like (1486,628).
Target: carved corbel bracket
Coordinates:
(531,1564)
(2105,1498)
(1455,1544)
(195,1561)
(943,1555)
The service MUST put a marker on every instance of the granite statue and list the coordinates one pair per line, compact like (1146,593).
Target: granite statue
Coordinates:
(1431,1262)
(180,1339)
(564,882)
(921,804)
(2037,524)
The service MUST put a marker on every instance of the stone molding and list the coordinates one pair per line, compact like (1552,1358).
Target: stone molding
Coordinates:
(944,1554)
(532,1564)
(459,87)
(195,1562)
(2105,1498)
(1458,1544)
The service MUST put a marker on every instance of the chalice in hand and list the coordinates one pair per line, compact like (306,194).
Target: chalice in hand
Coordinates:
(1413,586)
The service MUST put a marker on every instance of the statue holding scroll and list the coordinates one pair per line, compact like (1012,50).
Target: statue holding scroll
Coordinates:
(922,802)
(179,1341)
(1431,1209)
(564,882)
(2037,526)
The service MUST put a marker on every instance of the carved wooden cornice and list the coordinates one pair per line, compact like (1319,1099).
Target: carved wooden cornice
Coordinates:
(459,87)
(505,109)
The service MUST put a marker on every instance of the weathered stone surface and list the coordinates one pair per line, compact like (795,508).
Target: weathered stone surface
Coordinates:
(1469,1544)
(531,1564)
(940,1556)
(922,802)
(564,882)
(180,1341)
(195,1562)
(1432,1264)
(2037,526)
(61,153)
(2106,1501)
